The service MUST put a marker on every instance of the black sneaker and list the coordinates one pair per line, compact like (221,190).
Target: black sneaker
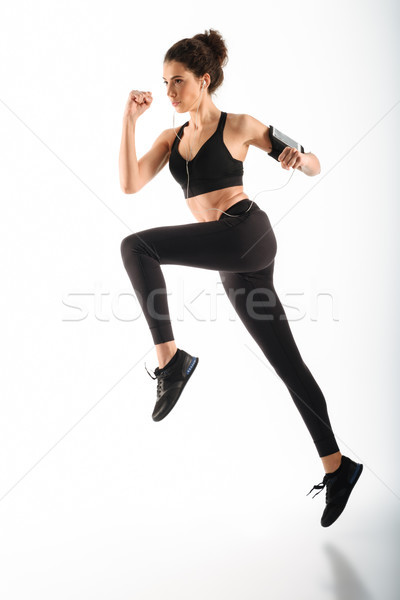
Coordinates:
(171,381)
(339,486)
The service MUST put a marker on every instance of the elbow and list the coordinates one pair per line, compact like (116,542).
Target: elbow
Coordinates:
(129,190)
(128,185)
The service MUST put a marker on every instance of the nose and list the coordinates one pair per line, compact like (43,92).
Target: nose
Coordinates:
(170,91)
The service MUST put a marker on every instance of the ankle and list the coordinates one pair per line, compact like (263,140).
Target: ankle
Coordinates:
(165,352)
(167,359)
(332,462)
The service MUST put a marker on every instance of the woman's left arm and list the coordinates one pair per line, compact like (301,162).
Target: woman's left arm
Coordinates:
(306,162)
(257,134)
(311,164)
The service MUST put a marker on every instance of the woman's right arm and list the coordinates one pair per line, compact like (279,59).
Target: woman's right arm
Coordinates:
(134,174)
(128,164)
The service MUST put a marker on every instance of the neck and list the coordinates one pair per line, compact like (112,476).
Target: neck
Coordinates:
(207,114)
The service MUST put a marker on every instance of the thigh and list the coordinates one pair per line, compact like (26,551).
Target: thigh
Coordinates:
(245,243)
(256,301)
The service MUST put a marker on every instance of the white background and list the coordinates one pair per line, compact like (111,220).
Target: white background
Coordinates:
(97,501)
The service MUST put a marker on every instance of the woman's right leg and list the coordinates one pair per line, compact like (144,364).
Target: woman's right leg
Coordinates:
(226,244)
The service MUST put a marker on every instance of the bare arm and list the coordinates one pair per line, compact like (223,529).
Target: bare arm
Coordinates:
(128,164)
(134,174)
(257,134)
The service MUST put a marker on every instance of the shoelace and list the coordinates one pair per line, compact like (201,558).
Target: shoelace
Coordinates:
(149,372)
(320,487)
(160,376)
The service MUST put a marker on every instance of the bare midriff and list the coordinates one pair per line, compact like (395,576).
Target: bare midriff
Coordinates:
(218,199)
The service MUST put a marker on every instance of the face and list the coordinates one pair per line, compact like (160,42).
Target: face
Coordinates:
(181,86)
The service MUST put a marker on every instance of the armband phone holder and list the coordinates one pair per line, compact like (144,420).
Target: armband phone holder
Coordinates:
(279,142)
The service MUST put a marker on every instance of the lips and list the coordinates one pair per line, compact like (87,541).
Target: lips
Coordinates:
(175,103)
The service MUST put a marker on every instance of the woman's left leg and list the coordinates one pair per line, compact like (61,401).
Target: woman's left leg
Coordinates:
(254,298)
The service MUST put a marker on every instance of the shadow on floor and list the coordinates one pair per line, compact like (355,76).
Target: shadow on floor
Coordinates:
(347,584)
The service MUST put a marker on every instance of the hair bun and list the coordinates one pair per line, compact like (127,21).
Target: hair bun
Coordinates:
(214,40)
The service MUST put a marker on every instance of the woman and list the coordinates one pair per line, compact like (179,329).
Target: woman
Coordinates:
(233,235)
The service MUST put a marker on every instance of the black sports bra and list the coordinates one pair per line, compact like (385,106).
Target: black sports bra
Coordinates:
(209,170)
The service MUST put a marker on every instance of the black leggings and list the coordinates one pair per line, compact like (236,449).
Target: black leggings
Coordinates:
(242,248)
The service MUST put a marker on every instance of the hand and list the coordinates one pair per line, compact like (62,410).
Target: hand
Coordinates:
(291,157)
(138,102)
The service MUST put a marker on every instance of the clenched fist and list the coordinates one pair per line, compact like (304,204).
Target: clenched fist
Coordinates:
(138,102)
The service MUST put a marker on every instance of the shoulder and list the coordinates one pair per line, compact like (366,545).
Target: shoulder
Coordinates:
(253,131)
(236,120)
(237,126)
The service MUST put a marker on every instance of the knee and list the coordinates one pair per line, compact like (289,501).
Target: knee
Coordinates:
(129,246)
(137,244)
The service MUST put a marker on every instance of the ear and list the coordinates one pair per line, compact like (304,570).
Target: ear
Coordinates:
(206,77)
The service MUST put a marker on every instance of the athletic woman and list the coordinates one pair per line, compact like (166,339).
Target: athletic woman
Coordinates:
(233,236)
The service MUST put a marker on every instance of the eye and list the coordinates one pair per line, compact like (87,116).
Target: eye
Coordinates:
(176,80)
